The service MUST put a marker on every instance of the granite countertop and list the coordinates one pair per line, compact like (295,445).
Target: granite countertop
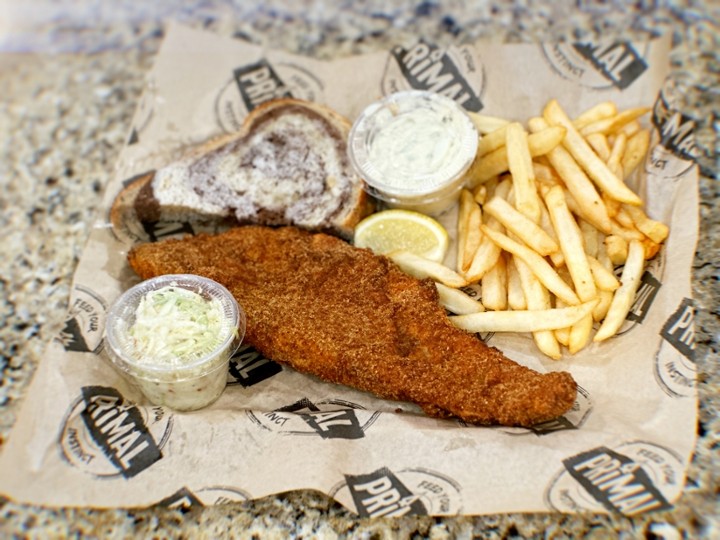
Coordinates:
(71,73)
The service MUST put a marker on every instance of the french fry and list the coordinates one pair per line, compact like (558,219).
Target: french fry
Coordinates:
(521,169)
(456,301)
(599,143)
(520,225)
(492,141)
(588,160)
(523,321)
(537,297)
(611,204)
(577,182)
(623,217)
(636,150)
(604,297)
(602,110)
(614,162)
(544,173)
(651,248)
(580,333)
(571,244)
(605,280)
(480,194)
(486,124)
(556,257)
(625,295)
(601,309)
(617,249)
(488,252)
(590,237)
(423,268)
(630,129)
(613,124)
(628,233)
(491,186)
(468,230)
(654,230)
(494,286)
(576,336)
(537,263)
(486,167)
(486,256)
(516,296)
(562,335)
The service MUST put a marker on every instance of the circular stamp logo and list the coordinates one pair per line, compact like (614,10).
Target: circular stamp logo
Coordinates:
(675,369)
(455,72)
(105,435)
(186,499)
(600,65)
(409,491)
(261,81)
(675,373)
(83,330)
(221,495)
(329,419)
(664,163)
(633,478)
(675,151)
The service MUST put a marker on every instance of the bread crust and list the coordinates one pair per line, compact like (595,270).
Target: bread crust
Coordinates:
(135,205)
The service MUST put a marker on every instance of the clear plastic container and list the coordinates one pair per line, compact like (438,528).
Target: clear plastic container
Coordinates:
(186,379)
(413,149)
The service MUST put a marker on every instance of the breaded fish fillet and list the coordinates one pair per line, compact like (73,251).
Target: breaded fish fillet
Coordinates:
(351,317)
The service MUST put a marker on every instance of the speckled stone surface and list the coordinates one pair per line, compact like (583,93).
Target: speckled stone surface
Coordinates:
(71,73)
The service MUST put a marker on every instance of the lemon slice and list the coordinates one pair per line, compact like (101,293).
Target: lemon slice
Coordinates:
(391,230)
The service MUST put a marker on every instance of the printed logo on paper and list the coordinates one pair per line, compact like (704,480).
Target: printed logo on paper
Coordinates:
(412,491)
(573,419)
(185,499)
(328,419)
(248,367)
(636,477)
(675,369)
(676,150)
(600,64)
(254,84)
(83,330)
(105,435)
(455,72)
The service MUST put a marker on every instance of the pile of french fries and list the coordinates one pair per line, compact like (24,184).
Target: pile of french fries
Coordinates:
(545,220)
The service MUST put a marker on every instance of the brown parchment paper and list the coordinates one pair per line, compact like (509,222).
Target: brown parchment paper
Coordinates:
(86,438)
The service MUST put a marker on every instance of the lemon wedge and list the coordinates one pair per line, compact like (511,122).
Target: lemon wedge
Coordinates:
(391,230)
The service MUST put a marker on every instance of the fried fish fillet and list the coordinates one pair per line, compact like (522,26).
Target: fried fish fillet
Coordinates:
(351,317)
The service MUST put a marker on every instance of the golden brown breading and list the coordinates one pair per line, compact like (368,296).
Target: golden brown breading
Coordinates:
(351,317)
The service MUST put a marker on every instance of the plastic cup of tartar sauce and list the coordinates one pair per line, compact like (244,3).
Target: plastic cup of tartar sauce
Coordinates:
(173,337)
(413,149)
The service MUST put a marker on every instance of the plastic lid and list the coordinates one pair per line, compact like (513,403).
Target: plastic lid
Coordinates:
(121,317)
(425,137)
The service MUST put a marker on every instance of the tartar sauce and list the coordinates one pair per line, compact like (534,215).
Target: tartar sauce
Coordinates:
(413,149)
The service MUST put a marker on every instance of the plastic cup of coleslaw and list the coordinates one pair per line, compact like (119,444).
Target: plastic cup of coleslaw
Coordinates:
(413,149)
(173,337)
